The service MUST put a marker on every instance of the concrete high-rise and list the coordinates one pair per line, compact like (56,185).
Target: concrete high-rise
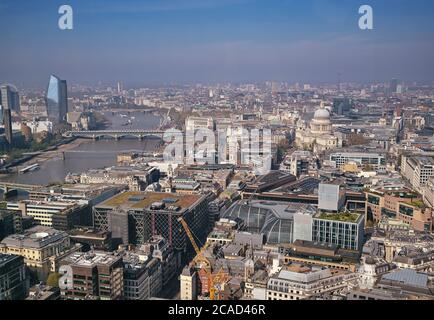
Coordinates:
(57,100)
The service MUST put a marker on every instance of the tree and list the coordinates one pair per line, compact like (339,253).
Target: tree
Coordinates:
(53,279)
(355,139)
(368,167)
(282,148)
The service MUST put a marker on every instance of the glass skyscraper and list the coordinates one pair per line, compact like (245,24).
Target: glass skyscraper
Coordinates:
(10,98)
(7,121)
(57,100)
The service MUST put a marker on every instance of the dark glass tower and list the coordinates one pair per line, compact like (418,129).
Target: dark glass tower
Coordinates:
(10,98)
(57,100)
(7,120)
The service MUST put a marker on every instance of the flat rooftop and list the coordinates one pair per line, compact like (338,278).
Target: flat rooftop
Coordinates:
(301,245)
(407,277)
(207,167)
(397,192)
(356,154)
(142,200)
(423,160)
(76,188)
(36,238)
(343,217)
(59,205)
(305,274)
(91,259)
(41,292)
(304,186)
(219,234)
(88,233)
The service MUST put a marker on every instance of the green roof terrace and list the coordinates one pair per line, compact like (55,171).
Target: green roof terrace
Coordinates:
(342,216)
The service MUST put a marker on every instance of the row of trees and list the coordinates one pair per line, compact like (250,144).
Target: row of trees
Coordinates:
(23,144)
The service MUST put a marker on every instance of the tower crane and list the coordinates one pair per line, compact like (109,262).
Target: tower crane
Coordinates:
(199,255)
(214,282)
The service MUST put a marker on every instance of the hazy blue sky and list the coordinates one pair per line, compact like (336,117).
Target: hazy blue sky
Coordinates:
(166,41)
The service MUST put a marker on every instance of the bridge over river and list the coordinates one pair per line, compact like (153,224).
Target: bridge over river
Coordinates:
(116,134)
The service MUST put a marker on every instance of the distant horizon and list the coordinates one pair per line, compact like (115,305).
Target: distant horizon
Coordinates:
(151,42)
(150,85)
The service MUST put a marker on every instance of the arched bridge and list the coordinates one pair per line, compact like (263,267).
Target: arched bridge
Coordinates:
(116,134)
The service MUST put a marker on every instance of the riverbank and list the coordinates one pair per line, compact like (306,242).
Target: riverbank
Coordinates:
(48,154)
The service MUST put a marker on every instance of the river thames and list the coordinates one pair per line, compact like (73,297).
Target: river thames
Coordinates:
(90,154)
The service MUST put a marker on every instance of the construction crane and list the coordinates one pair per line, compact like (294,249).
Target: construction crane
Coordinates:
(214,282)
(199,255)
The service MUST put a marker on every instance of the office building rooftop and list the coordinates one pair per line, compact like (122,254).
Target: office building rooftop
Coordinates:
(144,200)
(423,161)
(343,217)
(36,237)
(91,259)
(305,274)
(408,277)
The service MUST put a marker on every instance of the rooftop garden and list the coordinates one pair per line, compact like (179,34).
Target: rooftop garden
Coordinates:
(344,216)
(418,203)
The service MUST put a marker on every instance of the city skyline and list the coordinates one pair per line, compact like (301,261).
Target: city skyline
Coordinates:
(161,42)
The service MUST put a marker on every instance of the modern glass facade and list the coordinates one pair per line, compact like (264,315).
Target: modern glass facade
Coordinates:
(372,159)
(57,100)
(13,278)
(346,235)
(10,98)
